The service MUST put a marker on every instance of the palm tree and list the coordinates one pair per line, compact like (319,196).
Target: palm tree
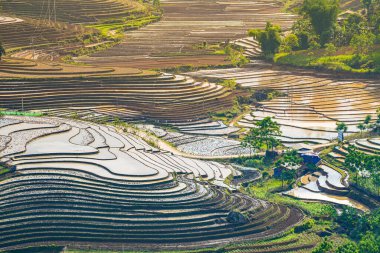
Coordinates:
(2,50)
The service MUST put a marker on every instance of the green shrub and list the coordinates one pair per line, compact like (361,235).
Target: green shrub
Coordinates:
(230,84)
(305,226)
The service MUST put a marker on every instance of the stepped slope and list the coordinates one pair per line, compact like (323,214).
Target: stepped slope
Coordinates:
(78,183)
(173,41)
(123,92)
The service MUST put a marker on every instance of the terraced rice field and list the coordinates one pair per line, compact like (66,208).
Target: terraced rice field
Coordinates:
(329,185)
(370,146)
(311,105)
(123,92)
(203,145)
(46,29)
(70,11)
(171,42)
(77,183)
(22,33)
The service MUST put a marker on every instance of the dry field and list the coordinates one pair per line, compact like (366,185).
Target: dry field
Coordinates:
(123,92)
(171,42)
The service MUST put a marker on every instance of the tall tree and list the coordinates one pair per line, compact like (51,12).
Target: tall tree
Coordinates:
(263,135)
(269,39)
(354,161)
(2,51)
(323,15)
(341,127)
(288,163)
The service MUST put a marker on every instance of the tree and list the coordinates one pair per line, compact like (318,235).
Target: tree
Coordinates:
(323,15)
(263,135)
(352,25)
(2,51)
(376,181)
(251,141)
(289,163)
(269,39)
(368,244)
(304,32)
(156,3)
(363,42)
(367,122)
(330,48)
(268,129)
(353,161)
(236,57)
(361,127)
(367,119)
(370,6)
(349,247)
(289,43)
(324,247)
(377,123)
(341,127)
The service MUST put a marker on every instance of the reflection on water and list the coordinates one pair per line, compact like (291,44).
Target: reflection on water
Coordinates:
(303,193)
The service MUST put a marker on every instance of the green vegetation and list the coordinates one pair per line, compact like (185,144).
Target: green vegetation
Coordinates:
(230,84)
(269,38)
(319,41)
(4,170)
(289,163)
(110,32)
(235,55)
(365,166)
(362,229)
(2,51)
(267,189)
(115,28)
(20,113)
(263,135)
(322,15)
(341,127)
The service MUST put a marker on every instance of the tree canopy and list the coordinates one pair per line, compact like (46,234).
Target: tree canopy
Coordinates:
(323,15)
(269,39)
(263,135)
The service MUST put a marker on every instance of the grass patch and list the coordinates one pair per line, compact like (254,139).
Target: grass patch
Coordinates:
(4,170)
(19,113)
(318,59)
(268,189)
(114,28)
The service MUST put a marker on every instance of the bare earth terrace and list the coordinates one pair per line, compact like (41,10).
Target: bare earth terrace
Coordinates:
(171,41)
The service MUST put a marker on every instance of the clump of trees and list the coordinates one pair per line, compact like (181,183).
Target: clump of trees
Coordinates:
(269,38)
(319,27)
(363,165)
(322,15)
(263,135)
(235,56)
(230,84)
(363,230)
(2,51)
(369,124)
(289,163)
